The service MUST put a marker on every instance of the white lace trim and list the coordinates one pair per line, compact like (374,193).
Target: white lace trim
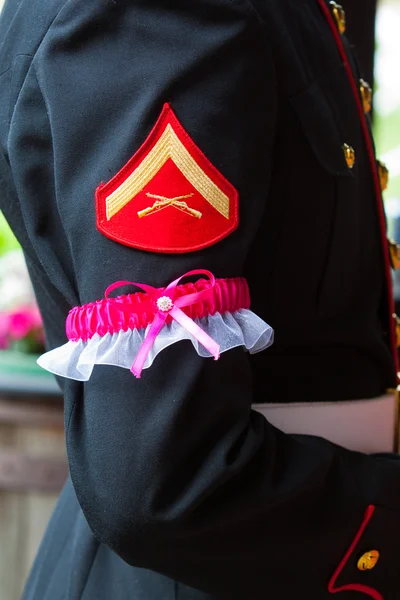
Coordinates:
(75,360)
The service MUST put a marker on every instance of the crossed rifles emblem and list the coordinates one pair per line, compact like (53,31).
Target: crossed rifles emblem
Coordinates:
(163,202)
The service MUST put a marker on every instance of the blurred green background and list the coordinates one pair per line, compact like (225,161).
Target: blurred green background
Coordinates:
(7,239)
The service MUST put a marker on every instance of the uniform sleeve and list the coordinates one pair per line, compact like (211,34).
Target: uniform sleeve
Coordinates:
(174,471)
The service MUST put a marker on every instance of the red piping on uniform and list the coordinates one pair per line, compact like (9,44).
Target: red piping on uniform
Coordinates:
(354,587)
(378,191)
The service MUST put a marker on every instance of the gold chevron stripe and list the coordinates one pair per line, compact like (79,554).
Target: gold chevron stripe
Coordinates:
(168,146)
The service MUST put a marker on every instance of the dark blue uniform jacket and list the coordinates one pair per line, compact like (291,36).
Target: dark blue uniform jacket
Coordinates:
(177,489)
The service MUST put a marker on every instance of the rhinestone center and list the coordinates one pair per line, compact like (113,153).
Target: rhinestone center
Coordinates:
(164,303)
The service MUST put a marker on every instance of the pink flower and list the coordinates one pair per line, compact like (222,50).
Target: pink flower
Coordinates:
(4,324)
(22,321)
(35,316)
(20,324)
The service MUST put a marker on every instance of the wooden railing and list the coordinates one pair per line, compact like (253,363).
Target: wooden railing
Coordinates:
(33,469)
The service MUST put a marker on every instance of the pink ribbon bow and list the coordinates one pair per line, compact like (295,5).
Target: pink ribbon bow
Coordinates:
(168,305)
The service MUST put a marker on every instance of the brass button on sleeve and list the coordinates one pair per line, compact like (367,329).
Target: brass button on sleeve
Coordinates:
(383,172)
(366,95)
(339,15)
(368,560)
(350,155)
(394,252)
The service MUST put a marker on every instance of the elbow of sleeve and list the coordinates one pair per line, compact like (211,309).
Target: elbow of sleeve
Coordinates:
(128,535)
(123,515)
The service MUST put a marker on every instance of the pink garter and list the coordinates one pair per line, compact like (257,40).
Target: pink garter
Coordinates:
(130,330)
(137,311)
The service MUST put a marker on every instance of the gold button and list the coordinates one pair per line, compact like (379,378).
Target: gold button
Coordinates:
(394,251)
(350,155)
(383,172)
(366,95)
(368,560)
(340,16)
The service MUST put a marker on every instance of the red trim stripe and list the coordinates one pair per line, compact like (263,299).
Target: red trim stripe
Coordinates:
(374,170)
(354,587)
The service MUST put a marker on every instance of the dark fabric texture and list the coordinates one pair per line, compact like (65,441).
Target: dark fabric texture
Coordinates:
(361,17)
(178,489)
